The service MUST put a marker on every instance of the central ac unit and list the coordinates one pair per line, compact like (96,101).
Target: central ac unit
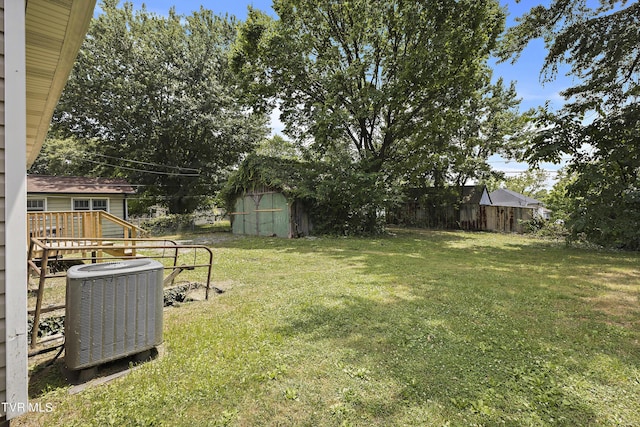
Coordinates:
(114,310)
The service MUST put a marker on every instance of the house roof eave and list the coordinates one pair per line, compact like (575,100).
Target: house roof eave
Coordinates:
(54,33)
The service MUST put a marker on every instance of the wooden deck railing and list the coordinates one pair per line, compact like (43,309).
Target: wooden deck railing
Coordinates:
(77,224)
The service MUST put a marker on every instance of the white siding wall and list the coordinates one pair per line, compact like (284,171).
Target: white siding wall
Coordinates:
(3,356)
(115,208)
(13,221)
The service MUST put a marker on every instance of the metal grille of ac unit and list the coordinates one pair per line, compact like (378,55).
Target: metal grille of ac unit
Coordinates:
(113,310)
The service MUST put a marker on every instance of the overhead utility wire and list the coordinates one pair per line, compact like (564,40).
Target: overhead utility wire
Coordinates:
(514,161)
(142,170)
(545,171)
(147,163)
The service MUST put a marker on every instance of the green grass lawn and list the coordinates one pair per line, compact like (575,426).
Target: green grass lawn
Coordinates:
(414,329)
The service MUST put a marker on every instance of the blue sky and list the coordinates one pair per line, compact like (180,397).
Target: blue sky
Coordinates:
(525,72)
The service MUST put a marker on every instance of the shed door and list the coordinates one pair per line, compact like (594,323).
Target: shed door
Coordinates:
(264,214)
(273,215)
(244,221)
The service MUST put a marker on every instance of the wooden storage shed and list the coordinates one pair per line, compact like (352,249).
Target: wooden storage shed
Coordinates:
(268,212)
(264,198)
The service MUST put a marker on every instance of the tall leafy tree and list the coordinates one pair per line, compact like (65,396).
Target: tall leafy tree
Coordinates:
(558,199)
(367,75)
(599,128)
(158,91)
(64,157)
(597,39)
(277,146)
(605,189)
(531,183)
(456,146)
(388,93)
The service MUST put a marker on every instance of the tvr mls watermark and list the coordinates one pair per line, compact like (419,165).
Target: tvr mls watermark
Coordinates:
(27,407)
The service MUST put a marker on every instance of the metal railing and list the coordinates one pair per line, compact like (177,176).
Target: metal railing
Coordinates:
(45,251)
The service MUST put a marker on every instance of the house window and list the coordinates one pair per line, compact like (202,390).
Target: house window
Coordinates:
(35,205)
(81,204)
(99,205)
(91,205)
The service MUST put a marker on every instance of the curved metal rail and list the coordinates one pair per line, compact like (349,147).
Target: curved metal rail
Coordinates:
(94,250)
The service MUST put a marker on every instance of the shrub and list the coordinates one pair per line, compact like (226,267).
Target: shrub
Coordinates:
(555,230)
(169,224)
(348,202)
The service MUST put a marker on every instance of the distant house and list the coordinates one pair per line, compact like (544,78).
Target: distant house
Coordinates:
(263,199)
(74,193)
(504,197)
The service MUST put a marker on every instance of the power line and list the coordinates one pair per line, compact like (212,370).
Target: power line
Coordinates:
(547,172)
(148,163)
(564,158)
(142,170)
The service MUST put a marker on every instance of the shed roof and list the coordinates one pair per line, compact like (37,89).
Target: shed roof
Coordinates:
(475,195)
(77,185)
(285,175)
(504,197)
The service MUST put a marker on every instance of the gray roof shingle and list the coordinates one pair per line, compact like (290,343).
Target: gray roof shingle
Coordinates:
(77,185)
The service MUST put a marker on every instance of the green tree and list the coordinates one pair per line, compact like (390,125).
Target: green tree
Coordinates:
(64,157)
(456,148)
(606,188)
(558,199)
(366,74)
(391,90)
(157,94)
(599,128)
(277,146)
(598,42)
(531,182)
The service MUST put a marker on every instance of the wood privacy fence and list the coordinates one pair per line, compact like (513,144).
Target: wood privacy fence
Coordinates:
(472,217)
(507,219)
